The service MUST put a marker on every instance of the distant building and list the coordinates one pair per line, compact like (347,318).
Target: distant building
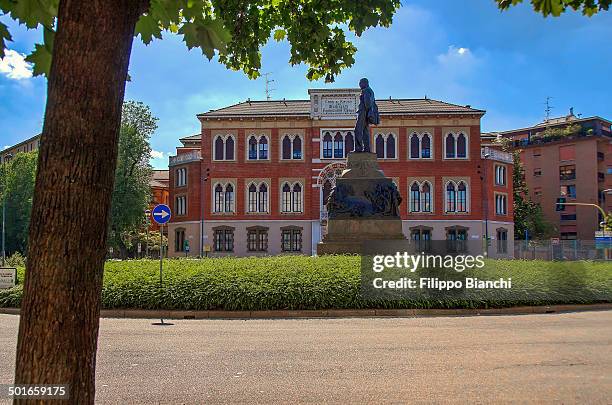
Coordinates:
(255,181)
(160,192)
(25,146)
(567,157)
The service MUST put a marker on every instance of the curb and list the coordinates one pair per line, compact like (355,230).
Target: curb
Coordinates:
(338,313)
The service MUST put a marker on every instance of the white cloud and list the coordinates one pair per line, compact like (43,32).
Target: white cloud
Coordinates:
(157,154)
(14,66)
(5,147)
(454,55)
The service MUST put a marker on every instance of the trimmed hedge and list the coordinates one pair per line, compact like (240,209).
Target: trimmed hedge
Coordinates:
(300,282)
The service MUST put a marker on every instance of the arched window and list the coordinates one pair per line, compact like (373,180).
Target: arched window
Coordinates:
(349,142)
(263,148)
(252,148)
(286,147)
(451,201)
(414,146)
(297,198)
(286,198)
(390,147)
(327,146)
(263,197)
(426,197)
(252,198)
(229,148)
(338,145)
(415,197)
(450,146)
(218,198)
(461,146)
(327,187)
(426,147)
(219,148)
(461,197)
(297,147)
(380,146)
(229,198)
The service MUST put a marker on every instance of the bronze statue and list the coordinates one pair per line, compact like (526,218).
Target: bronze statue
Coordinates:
(366,115)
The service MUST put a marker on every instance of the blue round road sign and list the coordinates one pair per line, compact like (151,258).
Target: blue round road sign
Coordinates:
(161,214)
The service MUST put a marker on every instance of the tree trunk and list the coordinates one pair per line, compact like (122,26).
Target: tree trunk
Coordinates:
(58,331)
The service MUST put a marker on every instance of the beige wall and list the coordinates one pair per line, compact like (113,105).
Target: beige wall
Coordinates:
(475,233)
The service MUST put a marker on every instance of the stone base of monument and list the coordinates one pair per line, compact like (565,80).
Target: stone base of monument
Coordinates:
(363,206)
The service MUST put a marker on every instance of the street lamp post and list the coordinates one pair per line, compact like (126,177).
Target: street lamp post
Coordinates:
(7,156)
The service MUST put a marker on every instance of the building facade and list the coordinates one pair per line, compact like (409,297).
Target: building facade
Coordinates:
(255,180)
(568,157)
(25,146)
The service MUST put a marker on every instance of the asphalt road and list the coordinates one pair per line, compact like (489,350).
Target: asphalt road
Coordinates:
(527,358)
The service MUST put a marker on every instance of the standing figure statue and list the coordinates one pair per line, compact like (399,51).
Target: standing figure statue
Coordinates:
(366,115)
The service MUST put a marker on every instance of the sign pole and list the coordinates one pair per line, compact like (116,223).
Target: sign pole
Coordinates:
(161,214)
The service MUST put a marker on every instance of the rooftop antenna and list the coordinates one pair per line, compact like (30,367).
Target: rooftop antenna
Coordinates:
(548,109)
(269,81)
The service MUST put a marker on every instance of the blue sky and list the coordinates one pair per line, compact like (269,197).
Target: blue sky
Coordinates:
(460,51)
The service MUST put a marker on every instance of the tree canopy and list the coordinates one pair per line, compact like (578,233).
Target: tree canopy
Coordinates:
(18,176)
(234,30)
(557,7)
(132,191)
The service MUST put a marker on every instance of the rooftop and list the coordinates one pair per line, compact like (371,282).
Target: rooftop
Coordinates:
(388,106)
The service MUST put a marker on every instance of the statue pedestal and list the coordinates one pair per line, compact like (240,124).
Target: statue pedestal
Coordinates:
(363,206)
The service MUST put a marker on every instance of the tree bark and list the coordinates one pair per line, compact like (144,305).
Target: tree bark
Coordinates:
(58,331)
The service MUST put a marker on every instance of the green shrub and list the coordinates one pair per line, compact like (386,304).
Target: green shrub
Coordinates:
(299,282)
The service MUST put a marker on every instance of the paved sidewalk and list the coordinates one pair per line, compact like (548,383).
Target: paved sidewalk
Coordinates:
(528,358)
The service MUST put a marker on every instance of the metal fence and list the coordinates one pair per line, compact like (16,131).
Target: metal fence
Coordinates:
(562,250)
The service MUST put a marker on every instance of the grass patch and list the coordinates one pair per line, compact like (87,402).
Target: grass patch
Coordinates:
(299,282)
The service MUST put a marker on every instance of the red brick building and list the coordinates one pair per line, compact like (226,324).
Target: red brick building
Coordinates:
(568,157)
(160,192)
(255,179)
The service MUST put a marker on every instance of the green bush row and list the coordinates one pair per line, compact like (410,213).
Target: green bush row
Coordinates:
(299,282)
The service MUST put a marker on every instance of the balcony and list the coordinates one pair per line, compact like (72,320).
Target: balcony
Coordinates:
(495,154)
(192,156)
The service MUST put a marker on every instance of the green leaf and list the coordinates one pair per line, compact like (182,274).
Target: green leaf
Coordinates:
(207,34)
(280,34)
(41,56)
(148,27)
(31,12)
(5,35)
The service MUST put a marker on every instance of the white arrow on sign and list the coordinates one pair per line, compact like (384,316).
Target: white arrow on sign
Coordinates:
(163,214)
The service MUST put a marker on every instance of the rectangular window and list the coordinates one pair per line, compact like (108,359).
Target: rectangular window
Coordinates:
(500,175)
(567,172)
(537,191)
(568,217)
(179,240)
(537,152)
(502,241)
(568,191)
(568,235)
(501,207)
(181,177)
(257,240)
(537,172)
(292,240)
(421,239)
(181,205)
(224,240)
(455,240)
